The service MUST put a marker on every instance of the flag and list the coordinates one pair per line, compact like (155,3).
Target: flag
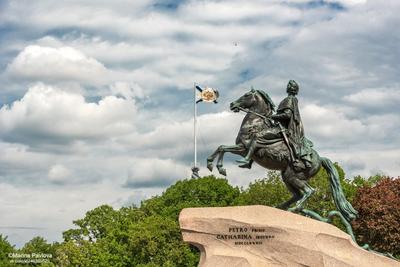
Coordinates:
(207,94)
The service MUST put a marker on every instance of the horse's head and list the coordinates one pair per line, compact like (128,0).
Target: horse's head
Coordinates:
(255,100)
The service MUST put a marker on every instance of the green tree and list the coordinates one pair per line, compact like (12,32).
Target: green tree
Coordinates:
(5,249)
(101,238)
(270,191)
(38,245)
(71,253)
(158,240)
(207,191)
(101,221)
(145,236)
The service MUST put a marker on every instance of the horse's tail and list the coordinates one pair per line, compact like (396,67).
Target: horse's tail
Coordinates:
(344,207)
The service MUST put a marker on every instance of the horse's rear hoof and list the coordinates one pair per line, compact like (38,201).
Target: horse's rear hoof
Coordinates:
(281,207)
(295,209)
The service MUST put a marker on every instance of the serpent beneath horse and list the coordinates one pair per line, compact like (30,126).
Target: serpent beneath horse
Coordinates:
(274,154)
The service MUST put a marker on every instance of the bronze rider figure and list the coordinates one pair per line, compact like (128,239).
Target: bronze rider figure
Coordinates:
(288,116)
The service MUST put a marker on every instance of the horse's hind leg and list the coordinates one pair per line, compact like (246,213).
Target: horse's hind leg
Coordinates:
(296,196)
(307,191)
(236,149)
(300,189)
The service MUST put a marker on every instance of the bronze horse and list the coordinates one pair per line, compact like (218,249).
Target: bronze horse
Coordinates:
(274,154)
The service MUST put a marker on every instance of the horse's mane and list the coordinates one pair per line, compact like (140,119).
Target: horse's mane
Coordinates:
(267,99)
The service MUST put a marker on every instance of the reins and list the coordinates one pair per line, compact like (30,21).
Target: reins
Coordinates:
(255,113)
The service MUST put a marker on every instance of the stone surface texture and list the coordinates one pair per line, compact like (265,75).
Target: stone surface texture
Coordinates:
(265,236)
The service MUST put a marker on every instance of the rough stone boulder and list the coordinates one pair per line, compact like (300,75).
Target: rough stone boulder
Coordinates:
(265,236)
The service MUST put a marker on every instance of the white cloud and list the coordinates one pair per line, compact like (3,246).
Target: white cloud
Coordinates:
(58,173)
(127,90)
(347,2)
(332,127)
(153,172)
(331,124)
(158,49)
(366,162)
(17,161)
(54,64)
(50,114)
(175,139)
(236,11)
(375,98)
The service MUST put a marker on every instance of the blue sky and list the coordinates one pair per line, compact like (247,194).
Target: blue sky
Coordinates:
(96,100)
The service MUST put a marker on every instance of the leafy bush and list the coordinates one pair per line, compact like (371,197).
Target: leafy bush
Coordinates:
(379,221)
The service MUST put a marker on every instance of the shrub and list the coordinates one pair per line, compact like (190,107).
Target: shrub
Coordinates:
(379,221)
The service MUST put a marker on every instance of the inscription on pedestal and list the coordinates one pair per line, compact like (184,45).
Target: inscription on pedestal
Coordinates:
(246,236)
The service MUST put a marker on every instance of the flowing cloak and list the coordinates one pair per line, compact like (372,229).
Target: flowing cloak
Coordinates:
(294,125)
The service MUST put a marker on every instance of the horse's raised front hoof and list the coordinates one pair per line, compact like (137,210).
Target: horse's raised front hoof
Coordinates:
(209,166)
(221,170)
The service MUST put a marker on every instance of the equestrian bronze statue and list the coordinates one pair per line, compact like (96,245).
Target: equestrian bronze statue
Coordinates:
(276,141)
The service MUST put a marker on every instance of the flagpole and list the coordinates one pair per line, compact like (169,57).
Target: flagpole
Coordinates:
(194,123)
(195,169)
(207,95)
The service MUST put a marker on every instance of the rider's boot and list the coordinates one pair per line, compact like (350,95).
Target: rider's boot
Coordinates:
(307,161)
(246,165)
(246,161)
